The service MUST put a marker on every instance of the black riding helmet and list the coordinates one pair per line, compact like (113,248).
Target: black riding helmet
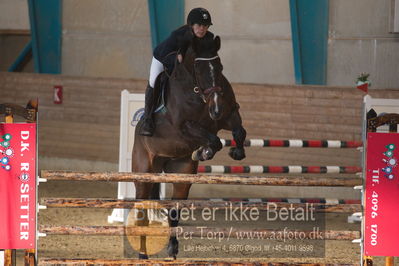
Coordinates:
(199,16)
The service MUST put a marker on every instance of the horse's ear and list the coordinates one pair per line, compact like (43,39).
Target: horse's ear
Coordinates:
(217,43)
(184,42)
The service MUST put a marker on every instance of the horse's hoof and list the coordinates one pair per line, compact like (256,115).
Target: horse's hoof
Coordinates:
(143,256)
(202,154)
(207,154)
(236,153)
(195,156)
(173,247)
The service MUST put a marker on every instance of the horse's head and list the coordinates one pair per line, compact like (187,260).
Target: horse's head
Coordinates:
(206,69)
(208,74)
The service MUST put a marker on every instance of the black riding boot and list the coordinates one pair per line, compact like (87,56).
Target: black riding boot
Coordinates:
(148,126)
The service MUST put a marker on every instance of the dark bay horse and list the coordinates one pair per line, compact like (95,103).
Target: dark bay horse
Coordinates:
(199,102)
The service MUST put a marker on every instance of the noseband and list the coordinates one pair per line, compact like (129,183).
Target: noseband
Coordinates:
(205,94)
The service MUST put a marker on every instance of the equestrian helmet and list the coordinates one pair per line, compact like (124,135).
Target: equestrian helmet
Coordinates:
(199,16)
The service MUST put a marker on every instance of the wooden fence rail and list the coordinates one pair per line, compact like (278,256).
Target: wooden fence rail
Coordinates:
(186,262)
(194,231)
(201,179)
(198,204)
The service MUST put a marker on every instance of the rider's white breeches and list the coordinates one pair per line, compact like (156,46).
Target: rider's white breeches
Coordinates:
(155,70)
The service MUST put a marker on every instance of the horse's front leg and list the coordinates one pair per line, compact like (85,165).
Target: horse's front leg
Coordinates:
(196,135)
(234,123)
(239,135)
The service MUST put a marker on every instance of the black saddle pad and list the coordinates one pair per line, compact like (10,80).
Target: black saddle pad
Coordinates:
(161,84)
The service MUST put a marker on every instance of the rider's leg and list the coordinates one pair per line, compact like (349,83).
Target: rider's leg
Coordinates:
(148,126)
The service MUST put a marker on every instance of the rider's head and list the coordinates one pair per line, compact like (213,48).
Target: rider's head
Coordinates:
(199,19)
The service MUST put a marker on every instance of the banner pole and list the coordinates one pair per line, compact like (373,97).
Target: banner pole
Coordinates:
(9,254)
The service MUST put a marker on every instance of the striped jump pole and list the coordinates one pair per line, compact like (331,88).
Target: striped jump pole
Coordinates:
(263,169)
(295,143)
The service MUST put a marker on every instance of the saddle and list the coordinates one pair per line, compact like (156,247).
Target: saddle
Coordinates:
(161,84)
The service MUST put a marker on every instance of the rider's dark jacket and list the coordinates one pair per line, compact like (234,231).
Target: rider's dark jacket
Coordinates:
(179,39)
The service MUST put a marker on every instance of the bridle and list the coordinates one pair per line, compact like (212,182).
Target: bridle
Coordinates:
(204,94)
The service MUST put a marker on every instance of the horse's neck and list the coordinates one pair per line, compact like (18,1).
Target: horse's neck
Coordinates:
(188,63)
(181,86)
(184,72)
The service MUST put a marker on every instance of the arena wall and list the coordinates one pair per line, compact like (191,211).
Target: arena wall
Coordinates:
(112,39)
(360,40)
(106,38)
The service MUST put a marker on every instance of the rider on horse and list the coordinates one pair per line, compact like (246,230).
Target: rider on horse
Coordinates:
(198,22)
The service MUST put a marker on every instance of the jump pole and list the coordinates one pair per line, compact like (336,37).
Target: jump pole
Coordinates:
(295,143)
(198,204)
(181,262)
(292,169)
(197,231)
(201,179)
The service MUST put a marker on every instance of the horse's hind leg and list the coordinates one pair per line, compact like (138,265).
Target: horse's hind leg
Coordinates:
(180,192)
(142,162)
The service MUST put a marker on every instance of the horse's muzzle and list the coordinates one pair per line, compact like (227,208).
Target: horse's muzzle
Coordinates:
(215,106)
(215,115)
